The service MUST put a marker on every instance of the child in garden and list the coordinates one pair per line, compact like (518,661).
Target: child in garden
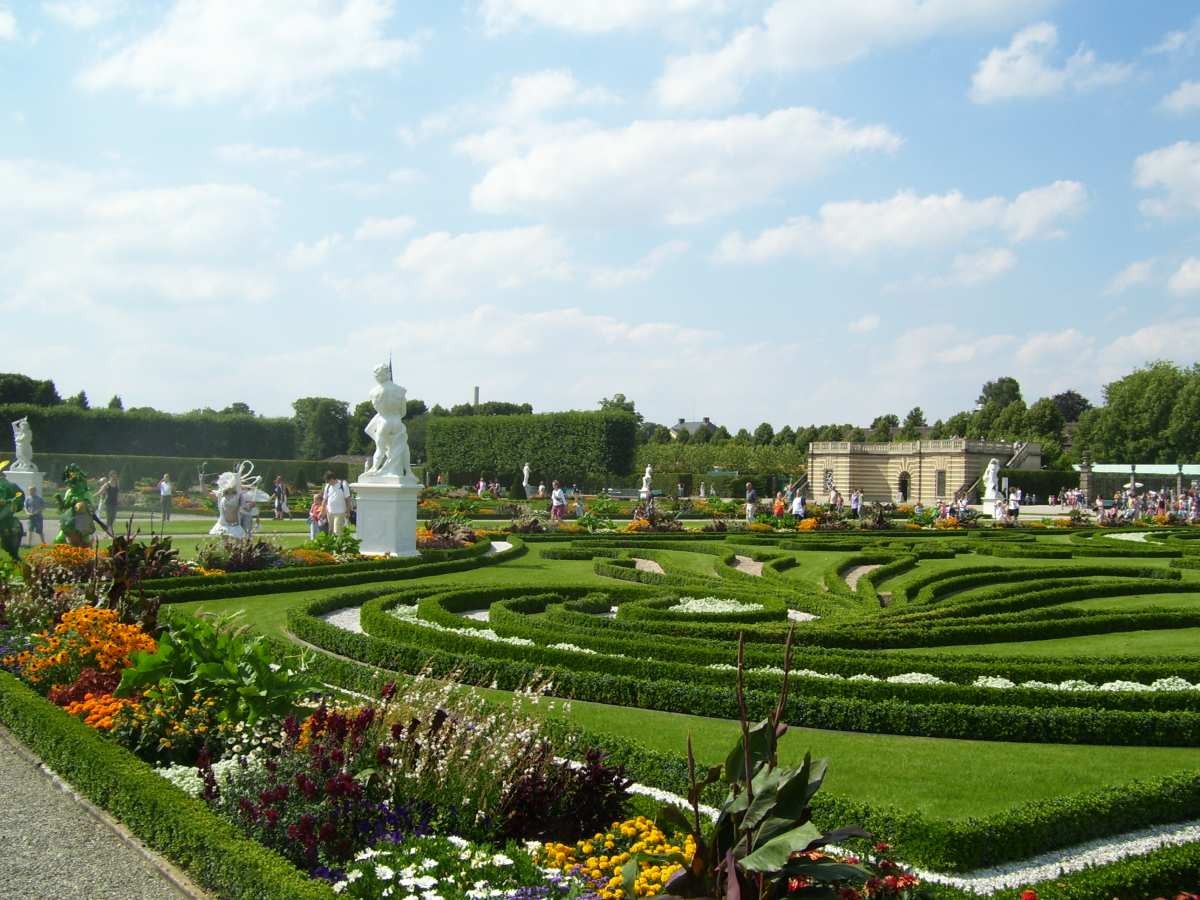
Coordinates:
(316,516)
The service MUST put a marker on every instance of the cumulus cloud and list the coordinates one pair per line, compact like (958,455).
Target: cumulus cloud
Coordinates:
(1175,170)
(1134,274)
(308,256)
(909,220)
(864,324)
(84,14)
(678,172)
(8,24)
(966,270)
(536,93)
(1025,68)
(1184,99)
(798,35)
(451,264)
(643,270)
(592,16)
(69,235)
(1180,41)
(1186,280)
(270,52)
(1056,349)
(374,229)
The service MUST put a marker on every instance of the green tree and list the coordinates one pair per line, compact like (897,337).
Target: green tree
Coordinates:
(1136,418)
(1045,420)
(115,403)
(785,437)
(17,388)
(357,442)
(937,430)
(957,426)
(1183,430)
(721,435)
(662,435)
(683,436)
(763,434)
(321,426)
(743,437)
(1010,424)
(237,409)
(1071,405)
(855,435)
(914,421)
(80,400)
(702,436)
(882,428)
(618,403)
(1002,391)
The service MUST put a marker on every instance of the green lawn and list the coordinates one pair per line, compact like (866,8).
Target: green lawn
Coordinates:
(938,777)
(1165,642)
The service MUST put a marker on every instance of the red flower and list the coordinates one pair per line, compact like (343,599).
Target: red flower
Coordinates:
(1029,895)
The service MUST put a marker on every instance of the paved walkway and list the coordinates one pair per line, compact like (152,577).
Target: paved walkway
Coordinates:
(55,846)
(748,565)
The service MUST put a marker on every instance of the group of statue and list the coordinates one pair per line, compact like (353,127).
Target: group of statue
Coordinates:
(238,495)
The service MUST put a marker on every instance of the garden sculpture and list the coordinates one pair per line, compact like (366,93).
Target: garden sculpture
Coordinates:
(237,495)
(77,518)
(991,480)
(23,447)
(12,499)
(525,480)
(646,479)
(387,429)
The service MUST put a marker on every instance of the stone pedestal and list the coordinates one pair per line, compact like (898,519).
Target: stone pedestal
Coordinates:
(387,514)
(23,480)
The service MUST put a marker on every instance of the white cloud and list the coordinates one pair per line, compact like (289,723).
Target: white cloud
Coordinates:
(84,14)
(908,220)
(797,35)
(1186,280)
(69,235)
(592,16)
(1055,349)
(405,176)
(1134,274)
(966,270)
(536,93)
(1175,340)
(1176,170)
(1184,99)
(864,324)
(1024,69)
(454,264)
(1180,41)
(290,157)
(8,24)
(643,270)
(374,229)
(270,52)
(678,172)
(308,256)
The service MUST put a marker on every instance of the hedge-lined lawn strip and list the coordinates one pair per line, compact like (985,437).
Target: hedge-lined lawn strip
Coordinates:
(1139,602)
(940,778)
(1158,642)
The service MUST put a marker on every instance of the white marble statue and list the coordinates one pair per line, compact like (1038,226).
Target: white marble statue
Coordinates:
(702,489)
(23,447)
(991,480)
(387,429)
(525,481)
(646,480)
(238,495)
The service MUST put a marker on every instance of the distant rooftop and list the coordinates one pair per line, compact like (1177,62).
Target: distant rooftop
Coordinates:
(692,427)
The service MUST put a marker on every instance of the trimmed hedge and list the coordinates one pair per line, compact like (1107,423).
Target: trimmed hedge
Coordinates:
(569,446)
(211,850)
(184,469)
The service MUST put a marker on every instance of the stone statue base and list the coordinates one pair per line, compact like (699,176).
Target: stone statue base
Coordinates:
(23,480)
(387,514)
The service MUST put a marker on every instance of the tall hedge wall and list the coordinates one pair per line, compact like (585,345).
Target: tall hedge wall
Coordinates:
(768,459)
(569,446)
(69,429)
(1043,483)
(184,469)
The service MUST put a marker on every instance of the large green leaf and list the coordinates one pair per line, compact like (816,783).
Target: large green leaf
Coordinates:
(774,854)
(762,739)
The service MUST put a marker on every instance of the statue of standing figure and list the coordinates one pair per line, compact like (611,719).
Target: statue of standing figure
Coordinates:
(991,480)
(525,480)
(22,447)
(387,428)
(647,478)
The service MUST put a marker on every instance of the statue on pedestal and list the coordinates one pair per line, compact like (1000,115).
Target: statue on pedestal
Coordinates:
(525,481)
(646,490)
(387,429)
(991,480)
(22,447)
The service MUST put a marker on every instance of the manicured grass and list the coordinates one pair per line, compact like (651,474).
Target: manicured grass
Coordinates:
(1163,642)
(1140,602)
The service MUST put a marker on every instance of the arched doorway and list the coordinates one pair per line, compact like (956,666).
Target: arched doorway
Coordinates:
(902,487)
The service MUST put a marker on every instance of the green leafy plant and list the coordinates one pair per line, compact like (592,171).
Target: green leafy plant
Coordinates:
(208,657)
(599,515)
(345,544)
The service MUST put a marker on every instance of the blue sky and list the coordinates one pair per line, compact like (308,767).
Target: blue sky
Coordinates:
(794,211)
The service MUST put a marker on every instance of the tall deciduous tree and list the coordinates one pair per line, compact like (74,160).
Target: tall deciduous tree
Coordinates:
(882,428)
(914,421)
(763,434)
(321,426)
(1071,404)
(116,403)
(1002,391)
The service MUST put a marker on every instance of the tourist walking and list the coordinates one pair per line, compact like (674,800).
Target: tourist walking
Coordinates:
(279,496)
(779,507)
(751,501)
(855,503)
(108,493)
(798,510)
(35,505)
(558,502)
(165,490)
(316,517)
(336,500)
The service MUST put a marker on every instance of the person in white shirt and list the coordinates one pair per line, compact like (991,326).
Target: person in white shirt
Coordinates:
(337,502)
(164,494)
(798,509)
(558,501)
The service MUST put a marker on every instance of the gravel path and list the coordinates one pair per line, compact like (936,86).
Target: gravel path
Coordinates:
(499,547)
(56,847)
(748,565)
(853,575)
(796,615)
(1138,537)
(648,565)
(349,618)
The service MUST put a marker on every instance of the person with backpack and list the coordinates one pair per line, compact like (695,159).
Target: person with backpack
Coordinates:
(336,500)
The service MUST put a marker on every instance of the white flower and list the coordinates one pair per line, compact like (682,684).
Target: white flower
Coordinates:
(425,882)
(914,678)
(501,860)
(340,886)
(458,841)
(992,681)
(385,873)
(574,648)
(712,605)
(862,676)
